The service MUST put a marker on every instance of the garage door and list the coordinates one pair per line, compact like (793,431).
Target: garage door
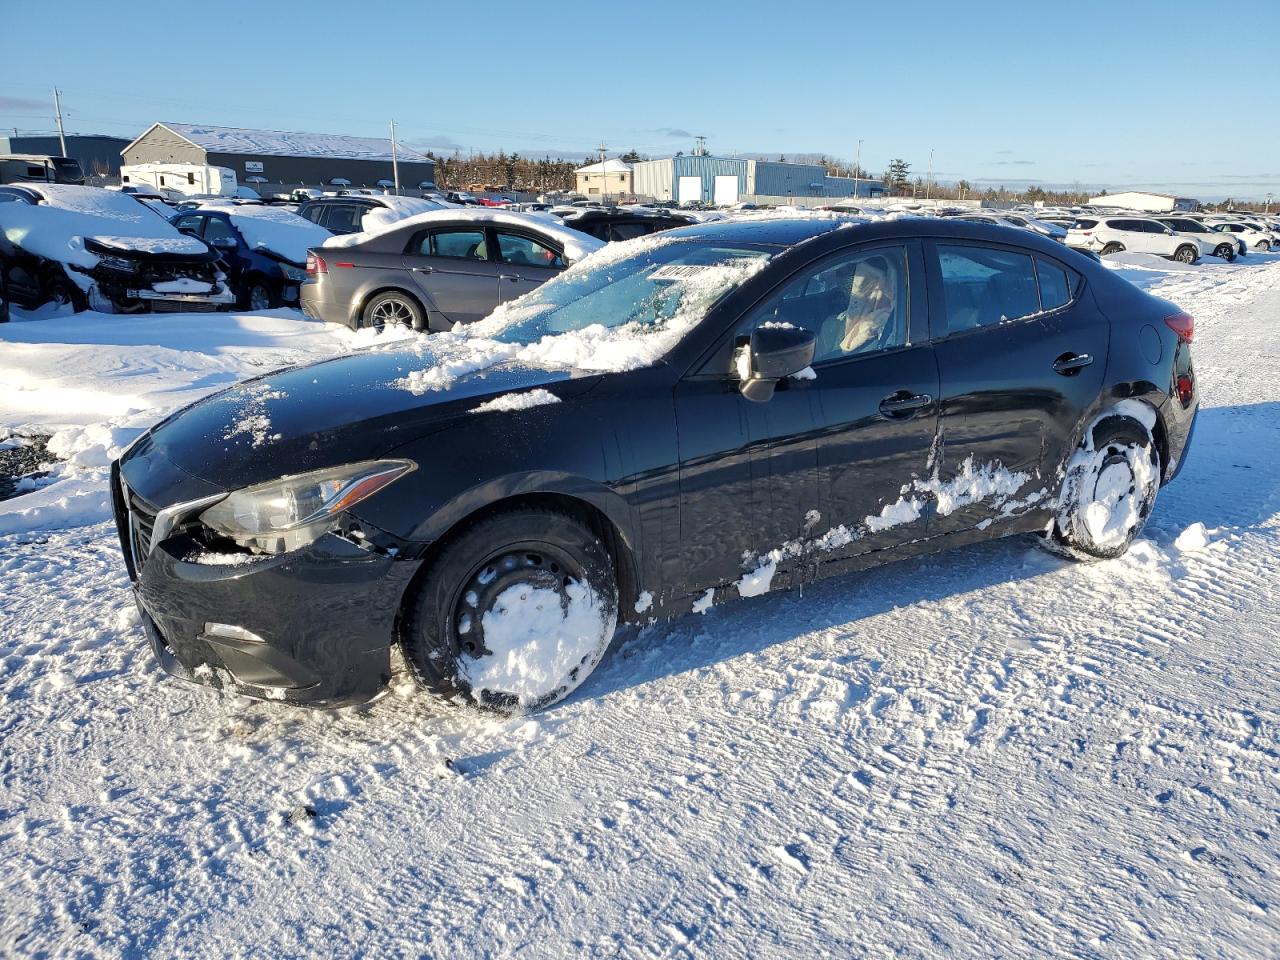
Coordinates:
(690,189)
(726,190)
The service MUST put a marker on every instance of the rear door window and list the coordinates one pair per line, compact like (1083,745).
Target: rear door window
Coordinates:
(315,213)
(525,252)
(983,286)
(459,244)
(345,217)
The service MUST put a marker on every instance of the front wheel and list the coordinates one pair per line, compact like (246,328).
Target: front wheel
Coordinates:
(1262,246)
(61,291)
(259,297)
(1109,490)
(1226,252)
(514,613)
(1112,247)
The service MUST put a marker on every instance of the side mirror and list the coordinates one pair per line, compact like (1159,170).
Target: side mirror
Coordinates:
(224,243)
(775,351)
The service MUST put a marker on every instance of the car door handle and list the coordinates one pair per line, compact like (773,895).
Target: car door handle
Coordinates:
(1071,363)
(904,403)
(423,269)
(509,276)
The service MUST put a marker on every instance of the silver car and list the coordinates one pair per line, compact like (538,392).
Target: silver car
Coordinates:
(437,269)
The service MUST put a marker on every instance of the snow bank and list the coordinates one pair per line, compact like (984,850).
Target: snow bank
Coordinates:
(576,245)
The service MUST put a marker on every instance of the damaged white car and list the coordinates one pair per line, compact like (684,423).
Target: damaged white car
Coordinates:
(91,248)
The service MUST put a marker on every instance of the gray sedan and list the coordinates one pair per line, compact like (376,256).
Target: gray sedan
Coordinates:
(437,269)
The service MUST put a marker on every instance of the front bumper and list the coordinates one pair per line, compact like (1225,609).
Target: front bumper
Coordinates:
(220,297)
(312,627)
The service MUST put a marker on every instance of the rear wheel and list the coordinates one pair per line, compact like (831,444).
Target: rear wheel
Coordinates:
(1262,246)
(1185,255)
(1109,490)
(390,308)
(1112,247)
(1226,251)
(515,612)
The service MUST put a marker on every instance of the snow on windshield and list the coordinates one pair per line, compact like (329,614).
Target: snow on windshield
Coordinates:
(57,228)
(277,230)
(625,308)
(576,245)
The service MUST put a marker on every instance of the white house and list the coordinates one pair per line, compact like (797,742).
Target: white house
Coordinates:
(611,178)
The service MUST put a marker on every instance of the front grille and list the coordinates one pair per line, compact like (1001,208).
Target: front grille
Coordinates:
(142,523)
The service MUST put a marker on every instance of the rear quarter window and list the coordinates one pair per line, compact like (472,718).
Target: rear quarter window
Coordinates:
(1084,224)
(1057,284)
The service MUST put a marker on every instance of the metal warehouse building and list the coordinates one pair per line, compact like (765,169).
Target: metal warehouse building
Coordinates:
(724,180)
(99,156)
(276,161)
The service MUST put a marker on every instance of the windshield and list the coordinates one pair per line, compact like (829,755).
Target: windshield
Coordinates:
(631,290)
(67,170)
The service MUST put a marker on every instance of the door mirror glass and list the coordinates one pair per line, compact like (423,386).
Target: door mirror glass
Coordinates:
(775,351)
(224,243)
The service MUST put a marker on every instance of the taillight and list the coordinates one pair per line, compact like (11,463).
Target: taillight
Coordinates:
(1182,325)
(315,264)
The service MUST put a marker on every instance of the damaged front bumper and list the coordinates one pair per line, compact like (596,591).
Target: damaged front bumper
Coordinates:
(313,626)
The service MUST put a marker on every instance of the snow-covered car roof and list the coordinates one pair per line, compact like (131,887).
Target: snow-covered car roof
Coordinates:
(576,245)
(58,228)
(273,229)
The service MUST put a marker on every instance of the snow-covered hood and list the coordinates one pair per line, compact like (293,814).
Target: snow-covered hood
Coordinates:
(76,225)
(345,409)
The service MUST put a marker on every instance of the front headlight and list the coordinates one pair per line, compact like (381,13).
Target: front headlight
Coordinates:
(292,512)
(296,274)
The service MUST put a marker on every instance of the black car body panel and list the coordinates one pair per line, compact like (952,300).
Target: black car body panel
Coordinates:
(692,481)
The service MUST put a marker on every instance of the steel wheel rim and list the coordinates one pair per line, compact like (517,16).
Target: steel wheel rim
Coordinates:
(391,311)
(536,565)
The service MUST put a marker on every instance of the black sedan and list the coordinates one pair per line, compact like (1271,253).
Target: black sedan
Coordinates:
(719,411)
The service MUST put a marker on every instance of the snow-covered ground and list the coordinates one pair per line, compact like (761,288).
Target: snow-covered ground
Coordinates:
(991,752)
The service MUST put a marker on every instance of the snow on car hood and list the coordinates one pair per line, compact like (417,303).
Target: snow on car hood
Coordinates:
(58,228)
(349,404)
(275,230)
(576,245)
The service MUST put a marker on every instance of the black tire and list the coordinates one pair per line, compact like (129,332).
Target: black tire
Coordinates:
(508,566)
(1226,251)
(392,306)
(1108,492)
(1112,247)
(59,289)
(1262,246)
(1186,254)
(259,296)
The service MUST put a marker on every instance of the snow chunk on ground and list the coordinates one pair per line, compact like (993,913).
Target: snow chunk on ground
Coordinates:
(1194,538)
(704,602)
(517,401)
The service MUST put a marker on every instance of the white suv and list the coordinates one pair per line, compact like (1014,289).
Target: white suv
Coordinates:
(1108,234)
(1212,243)
(1248,231)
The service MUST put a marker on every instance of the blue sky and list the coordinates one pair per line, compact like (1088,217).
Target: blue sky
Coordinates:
(1176,96)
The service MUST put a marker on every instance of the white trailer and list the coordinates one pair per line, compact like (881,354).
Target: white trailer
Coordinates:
(191,179)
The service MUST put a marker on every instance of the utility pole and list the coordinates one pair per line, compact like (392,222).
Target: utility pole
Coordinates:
(604,177)
(928,186)
(57,110)
(701,149)
(857,169)
(1266,207)
(395,160)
